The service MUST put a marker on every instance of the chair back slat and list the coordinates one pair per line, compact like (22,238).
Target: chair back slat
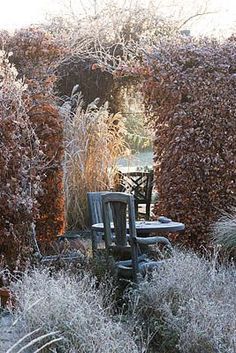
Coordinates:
(119,210)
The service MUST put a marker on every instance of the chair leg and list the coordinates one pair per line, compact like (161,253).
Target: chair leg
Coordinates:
(94,242)
(136,209)
(147,216)
(134,251)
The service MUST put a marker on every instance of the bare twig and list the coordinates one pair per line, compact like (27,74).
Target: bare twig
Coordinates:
(194,16)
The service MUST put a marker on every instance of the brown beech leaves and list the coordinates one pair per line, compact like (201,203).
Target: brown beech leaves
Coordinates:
(192,89)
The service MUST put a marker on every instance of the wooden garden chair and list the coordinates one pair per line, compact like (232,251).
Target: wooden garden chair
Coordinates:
(95,215)
(49,259)
(117,241)
(140,185)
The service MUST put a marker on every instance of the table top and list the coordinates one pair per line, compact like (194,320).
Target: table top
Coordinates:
(148,226)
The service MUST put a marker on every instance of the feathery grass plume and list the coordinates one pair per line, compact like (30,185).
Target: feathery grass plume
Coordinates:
(189,306)
(224,230)
(70,307)
(94,139)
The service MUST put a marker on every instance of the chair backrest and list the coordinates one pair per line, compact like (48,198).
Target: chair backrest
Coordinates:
(95,206)
(139,184)
(119,204)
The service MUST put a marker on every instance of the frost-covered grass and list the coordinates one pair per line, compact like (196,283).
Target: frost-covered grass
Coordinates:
(224,230)
(68,308)
(189,306)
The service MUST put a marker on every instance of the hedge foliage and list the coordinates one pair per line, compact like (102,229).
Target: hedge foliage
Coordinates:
(49,129)
(189,89)
(190,86)
(21,159)
(31,144)
(35,54)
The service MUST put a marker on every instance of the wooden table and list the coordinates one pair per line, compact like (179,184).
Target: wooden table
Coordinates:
(149,227)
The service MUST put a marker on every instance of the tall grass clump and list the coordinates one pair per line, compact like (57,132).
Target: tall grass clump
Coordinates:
(68,313)
(189,306)
(94,139)
(224,230)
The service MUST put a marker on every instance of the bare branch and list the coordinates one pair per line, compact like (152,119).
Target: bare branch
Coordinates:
(194,16)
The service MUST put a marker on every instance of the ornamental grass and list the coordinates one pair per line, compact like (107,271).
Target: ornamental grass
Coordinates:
(94,139)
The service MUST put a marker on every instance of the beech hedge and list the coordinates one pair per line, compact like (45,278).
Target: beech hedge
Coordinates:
(190,87)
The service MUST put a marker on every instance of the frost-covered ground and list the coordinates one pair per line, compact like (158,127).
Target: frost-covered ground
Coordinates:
(6,334)
(188,306)
(138,160)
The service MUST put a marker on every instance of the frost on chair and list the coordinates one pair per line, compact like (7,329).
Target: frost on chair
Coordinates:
(95,215)
(116,240)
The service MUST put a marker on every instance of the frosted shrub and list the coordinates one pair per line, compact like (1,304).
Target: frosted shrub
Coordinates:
(22,162)
(73,309)
(190,306)
(224,230)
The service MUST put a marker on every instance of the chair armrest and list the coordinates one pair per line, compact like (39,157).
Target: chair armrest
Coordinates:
(153,240)
(129,262)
